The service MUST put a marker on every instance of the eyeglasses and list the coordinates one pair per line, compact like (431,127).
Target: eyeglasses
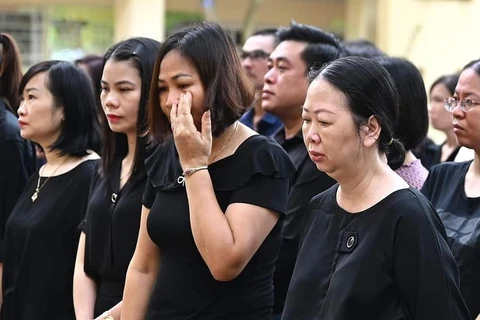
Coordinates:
(465,104)
(254,55)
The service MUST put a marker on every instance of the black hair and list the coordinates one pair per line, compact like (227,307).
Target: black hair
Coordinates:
(322,46)
(10,72)
(362,48)
(265,32)
(449,81)
(369,91)
(412,125)
(228,90)
(141,52)
(72,91)
(474,65)
(94,68)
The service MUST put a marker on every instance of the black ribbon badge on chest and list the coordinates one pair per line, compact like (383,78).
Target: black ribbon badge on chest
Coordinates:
(349,242)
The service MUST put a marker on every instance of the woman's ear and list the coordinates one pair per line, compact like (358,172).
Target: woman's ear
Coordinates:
(371,132)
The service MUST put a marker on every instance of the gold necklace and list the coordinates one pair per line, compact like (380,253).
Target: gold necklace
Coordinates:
(39,187)
(223,147)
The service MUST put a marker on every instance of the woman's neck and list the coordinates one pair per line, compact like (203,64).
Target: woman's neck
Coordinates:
(451,139)
(475,166)
(53,158)
(409,157)
(132,145)
(367,184)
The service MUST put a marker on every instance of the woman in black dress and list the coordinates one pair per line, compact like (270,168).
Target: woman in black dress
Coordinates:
(371,247)
(210,229)
(113,216)
(57,112)
(454,187)
(17,155)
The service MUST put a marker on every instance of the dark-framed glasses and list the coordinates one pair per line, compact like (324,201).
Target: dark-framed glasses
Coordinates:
(465,104)
(254,55)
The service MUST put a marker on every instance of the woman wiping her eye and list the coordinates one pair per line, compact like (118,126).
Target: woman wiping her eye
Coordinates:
(216,191)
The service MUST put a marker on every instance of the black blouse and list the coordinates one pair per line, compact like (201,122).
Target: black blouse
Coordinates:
(111,227)
(445,188)
(41,244)
(257,173)
(389,262)
(17,164)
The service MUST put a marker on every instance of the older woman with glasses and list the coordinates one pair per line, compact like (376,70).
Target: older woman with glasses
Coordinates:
(454,188)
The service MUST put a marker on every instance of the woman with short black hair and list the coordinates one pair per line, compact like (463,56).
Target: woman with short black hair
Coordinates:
(212,209)
(57,112)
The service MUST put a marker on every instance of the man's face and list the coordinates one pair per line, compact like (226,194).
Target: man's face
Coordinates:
(254,56)
(285,84)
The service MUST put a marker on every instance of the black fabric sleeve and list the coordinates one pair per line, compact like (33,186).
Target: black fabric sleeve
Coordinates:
(422,257)
(264,191)
(93,183)
(427,185)
(148,195)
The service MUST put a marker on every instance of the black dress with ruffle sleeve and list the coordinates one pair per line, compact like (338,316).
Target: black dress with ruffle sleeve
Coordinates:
(258,174)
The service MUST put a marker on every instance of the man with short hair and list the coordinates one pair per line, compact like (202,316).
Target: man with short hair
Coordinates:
(285,87)
(254,55)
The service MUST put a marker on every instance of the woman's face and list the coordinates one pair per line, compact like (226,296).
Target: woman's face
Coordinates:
(177,76)
(440,118)
(40,120)
(466,125)
(120,96)
(329,131)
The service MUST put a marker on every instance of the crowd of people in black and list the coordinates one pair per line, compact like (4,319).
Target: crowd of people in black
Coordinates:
(290,179)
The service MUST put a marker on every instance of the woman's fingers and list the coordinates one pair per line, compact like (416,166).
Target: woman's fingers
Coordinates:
(185,104)
(173,114)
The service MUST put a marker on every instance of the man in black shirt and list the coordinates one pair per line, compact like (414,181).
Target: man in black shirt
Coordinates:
(285,87)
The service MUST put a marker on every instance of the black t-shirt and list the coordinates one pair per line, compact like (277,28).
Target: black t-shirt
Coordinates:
(17,164)
(445,188)
(306,182)
(111,228)
(389,262)
(257,173)
(41,244)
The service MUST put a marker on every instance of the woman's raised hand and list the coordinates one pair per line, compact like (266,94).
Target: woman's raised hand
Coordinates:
(194,147)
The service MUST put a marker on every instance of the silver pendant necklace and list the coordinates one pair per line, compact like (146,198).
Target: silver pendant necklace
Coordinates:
(39,187)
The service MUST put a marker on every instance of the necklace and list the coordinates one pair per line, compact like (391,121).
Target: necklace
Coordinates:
(229,138)
(39,187)
(114,196)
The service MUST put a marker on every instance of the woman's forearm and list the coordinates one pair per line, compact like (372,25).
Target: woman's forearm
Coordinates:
(210,228)
(141,275)
(84,294)
(136,296)
(227,241)
(114,312)
(84,288)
